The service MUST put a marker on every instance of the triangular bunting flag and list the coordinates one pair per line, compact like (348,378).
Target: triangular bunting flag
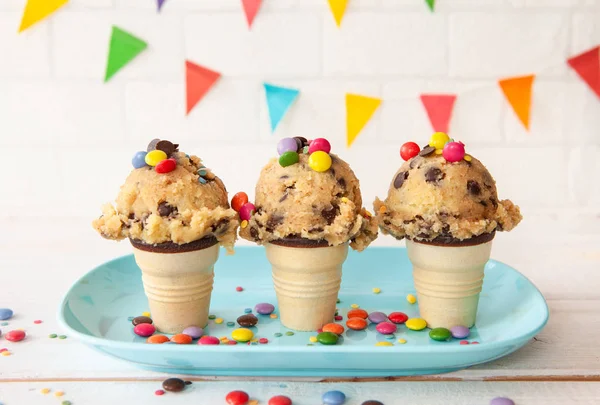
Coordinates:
(518,93)
(430,4)
(359,110)
(439,110)
(251,9)
(36,10)
(587,66)
(338,8)
(279,100)
(198,81)
(123,48)
(159,4)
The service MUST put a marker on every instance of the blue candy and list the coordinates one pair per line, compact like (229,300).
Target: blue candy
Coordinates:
(333,398)
(139,160)
(5,313)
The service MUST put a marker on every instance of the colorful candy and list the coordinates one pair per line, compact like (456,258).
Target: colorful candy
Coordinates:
(155,157)
(397,317)
(377,317)
(319,161)
(280,400)
(194,331)
(246,211)
(386,328)
(264,308)
(411,299)
(287,145)
(333,328)
(247,320)
(357,313)
(319,144)
(157,339)
(438,140)
(460,332)
(139,159)
(173,384)
(242,335)
(166,166)
(409,150)
(454,151)
(15,336)
(140,319)
(288,159)
(502,401)
(416,324)
(333,398)
(238,200)
(440,334)
(327,338)
(181,339)
(237,398)
(209,340)
(144,329)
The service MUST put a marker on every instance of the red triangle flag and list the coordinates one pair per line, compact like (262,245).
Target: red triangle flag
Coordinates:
(198,81)
(587,66)
(251,9)
(439,109)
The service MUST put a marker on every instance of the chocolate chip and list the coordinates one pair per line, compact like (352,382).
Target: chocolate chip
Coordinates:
(140,319)
(166,147)
(254,233)
(176,146)
(414,162)
(387,222)
(494,202)
(220,226)
(329,214)
(164,209)
(152,144)
(315,230)
(273,221)
(427,150)
(483,203)
(299,145)
(173,384)
(409,221)
(419,217)
(282,199)
(247,321)
(342,183)
(332,171)
(399,180)
(131,215)
(433,175)
(423,235)
(302,139)
(285,176)
(473,187)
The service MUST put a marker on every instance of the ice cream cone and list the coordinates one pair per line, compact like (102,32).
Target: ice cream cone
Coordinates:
(448,279)
(307,277)
(178,281)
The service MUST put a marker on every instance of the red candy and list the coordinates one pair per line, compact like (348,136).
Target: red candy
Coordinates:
(321,144)
(166,166)
(386,328)
(280,400)
(15,336)
(398,317)
(453,151)
(238,200)
(263,341)
(209,340)
(409,150)
(159,392)
(246,211)
(237,398)
(144,329)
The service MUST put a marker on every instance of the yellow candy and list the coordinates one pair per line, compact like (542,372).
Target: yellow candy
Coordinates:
(439,151)
(467,158)
(59,394)
(416,324)
(155,157)
(438,140)
(242,335)
(313,339)
(146,314)
(273,316)
(244,224)
(354,306)
(411,299)
(344,199)
(6,353)
(45,390)
(376,290)
(384,344)
(319,161)
(402,341)
(219,320)
(382,209)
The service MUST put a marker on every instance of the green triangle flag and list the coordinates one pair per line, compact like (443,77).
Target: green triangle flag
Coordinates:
(431,4)
(123,48)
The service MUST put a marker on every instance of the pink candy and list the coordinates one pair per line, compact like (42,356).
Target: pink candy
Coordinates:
(321,144)
(386,328)
(454,151)
(144,329)
(209,340)
(246,211)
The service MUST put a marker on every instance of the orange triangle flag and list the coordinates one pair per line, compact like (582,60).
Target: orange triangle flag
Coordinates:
(251,9)
(198,81)
(587,66)
(517,91)
(439,109)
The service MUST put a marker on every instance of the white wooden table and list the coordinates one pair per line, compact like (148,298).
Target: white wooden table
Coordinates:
(560,366)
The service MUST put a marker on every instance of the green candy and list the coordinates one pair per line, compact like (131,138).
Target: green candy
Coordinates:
(440,334)
(327,338)
(289,333)
(288,159)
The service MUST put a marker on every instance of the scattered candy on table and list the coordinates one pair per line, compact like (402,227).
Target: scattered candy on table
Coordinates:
(173,384)
(237,398)
(280,400)
(194,331)
(209,340)
(289,333)
(416,324)
(357,313)
(402,341)
(376,290)
(140,319)
(397,317)
(327,338)
(5,314)
(460,332)
(181,339)
(157,339)
(377,317)
(247,320)
(333,398)
(502,401)
(242,335)
(264,308)
(386,328)
(219,321)
(354,306)
(333,328)
(384,344)
(144,329)
(409,150)
(15,336)
(357,323)
(411,298)
(159,392)
(440,334)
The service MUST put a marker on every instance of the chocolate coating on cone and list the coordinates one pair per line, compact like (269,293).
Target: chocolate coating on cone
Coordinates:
(171,247)
(448,240)
(300,243)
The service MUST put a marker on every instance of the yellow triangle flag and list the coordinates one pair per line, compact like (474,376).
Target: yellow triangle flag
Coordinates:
(37,10)
(517,91)
(338,7)
(359,110)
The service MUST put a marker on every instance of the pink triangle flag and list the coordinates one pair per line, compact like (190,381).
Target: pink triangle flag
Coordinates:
(251,9)
(439,110)
(587,66)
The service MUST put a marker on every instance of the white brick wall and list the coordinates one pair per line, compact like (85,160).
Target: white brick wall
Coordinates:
(67,137)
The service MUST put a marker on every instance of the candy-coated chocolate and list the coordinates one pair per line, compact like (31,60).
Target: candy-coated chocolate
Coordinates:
(5,314)
(397,317)
(173,384)
(372,402)
(384,344)
(438,140)
(357,313)
(409,150)
(377,317)
(411,298)
(247,320)
(144,329)
(287,145)
(280,400)
(246,211)
(333,398)
(502,401)
(460,332)
(181,339)
(333,328)
(288,159)
(416,324)
(140,319)
(237,398)
(440,334)
(386,328)
(454,151)
(139,159)
(327,338)
(209,340)
(264,308)
(319,161)
(155,157)
(166,166)
(157,339)
(194,331)
(15,336)
(242,335)
(238,200)
(319,144)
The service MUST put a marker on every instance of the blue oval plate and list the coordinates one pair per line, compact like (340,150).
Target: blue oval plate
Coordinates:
(98,307)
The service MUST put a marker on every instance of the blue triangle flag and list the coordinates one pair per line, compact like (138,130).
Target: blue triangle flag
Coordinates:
(279,100)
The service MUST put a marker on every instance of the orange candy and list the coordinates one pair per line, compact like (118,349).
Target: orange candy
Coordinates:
(357,313)
(181,339)
(334,328)
(157,339)
(238,200)
(356,323)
